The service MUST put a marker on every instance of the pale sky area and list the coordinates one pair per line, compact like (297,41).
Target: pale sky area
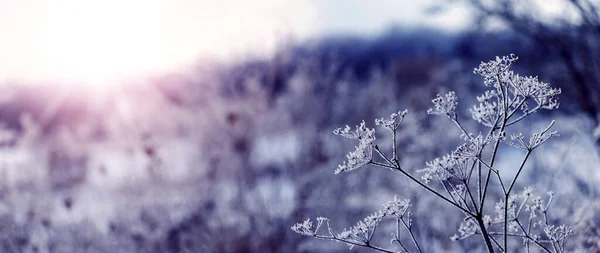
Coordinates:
(98,42)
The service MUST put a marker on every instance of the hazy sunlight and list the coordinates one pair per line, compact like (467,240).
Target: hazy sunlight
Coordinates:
(105,42)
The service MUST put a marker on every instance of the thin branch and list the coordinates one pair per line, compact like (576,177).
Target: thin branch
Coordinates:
(492,159)
(455,120)
(397,236)
(366,245)
(425,186)
(507,195)
(470,195)
(495,172)
(523,116)
(497,243)
(412,235)
(529,237)
(382,165)
(484,233)
(383,156)
(523,236)
(514,180)
(394,152)
(448,191)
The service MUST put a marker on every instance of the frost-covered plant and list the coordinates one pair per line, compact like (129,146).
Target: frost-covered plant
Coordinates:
(363,153)
(362,233)
(465,175)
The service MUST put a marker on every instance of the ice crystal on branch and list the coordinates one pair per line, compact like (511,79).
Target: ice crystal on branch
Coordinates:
(485,113)
(467,228)
(530,87)
(493,69)
(558,233)
(468,175)
(450,165)
(476,143)
(487,95)
(536,139)
(396,208)
(364,150)
(444,105)
(511,210)
(362,231)
(518,90)
(394,122)
(487,221)
(304,228)
(438,169)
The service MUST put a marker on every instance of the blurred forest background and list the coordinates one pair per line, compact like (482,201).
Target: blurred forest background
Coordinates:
(226,157)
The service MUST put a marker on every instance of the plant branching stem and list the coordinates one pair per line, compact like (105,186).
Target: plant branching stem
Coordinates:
(485,234)
(412,235)
(366,245)
(397,168)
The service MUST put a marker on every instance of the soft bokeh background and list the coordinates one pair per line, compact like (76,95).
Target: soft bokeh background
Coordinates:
(205,126)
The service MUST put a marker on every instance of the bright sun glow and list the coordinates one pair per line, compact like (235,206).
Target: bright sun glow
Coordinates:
(97,42)
(106,42)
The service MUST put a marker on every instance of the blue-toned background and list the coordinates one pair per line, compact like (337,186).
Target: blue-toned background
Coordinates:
(206,126)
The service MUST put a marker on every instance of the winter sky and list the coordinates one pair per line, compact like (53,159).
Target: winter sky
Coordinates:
(98,42)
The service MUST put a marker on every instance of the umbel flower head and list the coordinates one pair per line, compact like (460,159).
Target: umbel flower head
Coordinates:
(444,105)
(520,91)
(394,122)
(362,232)
(304,228)
(507,100)
(363,152)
